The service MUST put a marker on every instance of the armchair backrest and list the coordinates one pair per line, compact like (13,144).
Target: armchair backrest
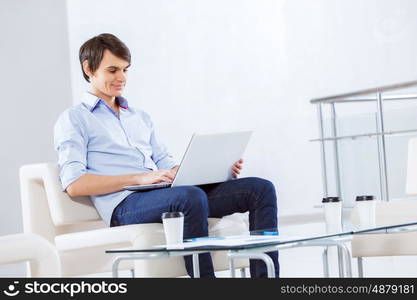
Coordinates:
(49,211)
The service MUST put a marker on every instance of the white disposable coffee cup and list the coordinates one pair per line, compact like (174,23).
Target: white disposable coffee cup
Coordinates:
(173,223)
(332,207)
(366,206)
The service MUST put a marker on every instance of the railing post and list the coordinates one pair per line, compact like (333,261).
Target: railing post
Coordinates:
(382,155)
(322,150)
(336,152)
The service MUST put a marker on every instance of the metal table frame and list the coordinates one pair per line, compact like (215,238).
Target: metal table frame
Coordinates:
(259,253)
(251,253)
(255,251)
(151,255)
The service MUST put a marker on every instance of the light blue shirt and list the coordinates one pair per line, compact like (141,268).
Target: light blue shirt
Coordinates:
(91,138)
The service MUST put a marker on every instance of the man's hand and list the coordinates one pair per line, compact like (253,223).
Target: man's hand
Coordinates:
(174,170)
(156,177)
(237,167)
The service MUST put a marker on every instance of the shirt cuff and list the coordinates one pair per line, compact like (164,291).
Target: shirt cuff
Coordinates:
(166,163)
(70,173)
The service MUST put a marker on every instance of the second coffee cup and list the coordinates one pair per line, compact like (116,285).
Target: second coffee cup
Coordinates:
(366,206)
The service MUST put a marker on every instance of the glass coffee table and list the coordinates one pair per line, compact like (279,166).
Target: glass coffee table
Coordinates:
(255,244)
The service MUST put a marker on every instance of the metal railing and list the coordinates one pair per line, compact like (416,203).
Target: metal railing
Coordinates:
(366,95)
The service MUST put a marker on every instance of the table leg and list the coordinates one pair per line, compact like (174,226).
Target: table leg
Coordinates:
(115,266)
(340,260)
(196,266)
(232,267)
(326,262)
(270,267)
(360,267)
(345,256)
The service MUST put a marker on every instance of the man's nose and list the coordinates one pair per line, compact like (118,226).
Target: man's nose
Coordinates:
(121,76)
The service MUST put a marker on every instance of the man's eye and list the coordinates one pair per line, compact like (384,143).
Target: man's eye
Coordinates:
(112,71)
(125,70)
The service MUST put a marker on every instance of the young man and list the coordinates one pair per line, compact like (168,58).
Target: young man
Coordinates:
(104,144)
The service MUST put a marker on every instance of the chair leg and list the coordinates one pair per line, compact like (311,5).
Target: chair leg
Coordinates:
(360,267)
(132,271)
(242,272)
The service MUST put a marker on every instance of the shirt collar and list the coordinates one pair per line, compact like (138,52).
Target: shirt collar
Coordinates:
(92,101)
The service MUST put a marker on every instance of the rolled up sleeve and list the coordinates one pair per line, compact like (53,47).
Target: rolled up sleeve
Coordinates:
(71,146)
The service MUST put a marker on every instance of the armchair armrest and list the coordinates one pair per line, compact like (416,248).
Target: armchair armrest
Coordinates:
(33,248)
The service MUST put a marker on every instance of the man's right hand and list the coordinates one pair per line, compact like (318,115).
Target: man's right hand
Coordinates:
(156,177)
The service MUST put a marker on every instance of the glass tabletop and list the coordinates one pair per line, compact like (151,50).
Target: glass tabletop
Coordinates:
(269,237)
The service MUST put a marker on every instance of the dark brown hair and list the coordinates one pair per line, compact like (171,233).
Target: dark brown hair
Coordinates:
(93,50)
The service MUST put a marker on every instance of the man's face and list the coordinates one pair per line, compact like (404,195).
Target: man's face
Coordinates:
(110,78)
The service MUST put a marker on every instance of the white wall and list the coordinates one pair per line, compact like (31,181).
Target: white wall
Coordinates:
(36,87)
(219,65)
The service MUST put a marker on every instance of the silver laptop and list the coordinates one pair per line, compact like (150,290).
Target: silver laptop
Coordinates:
(208,159)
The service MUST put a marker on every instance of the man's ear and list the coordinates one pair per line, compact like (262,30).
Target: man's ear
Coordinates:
(86,68)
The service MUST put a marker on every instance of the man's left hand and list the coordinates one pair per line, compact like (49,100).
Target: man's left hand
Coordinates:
(237,167)
(174,170)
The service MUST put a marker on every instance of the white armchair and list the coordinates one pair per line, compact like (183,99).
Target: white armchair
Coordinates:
(32,248)
(81,237)
(392,212)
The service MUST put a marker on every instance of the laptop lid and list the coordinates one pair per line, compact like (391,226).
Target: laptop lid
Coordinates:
(209,157)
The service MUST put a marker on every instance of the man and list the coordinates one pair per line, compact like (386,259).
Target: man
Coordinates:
(104,144)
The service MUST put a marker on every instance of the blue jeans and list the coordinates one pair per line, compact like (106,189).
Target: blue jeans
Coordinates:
(252,194)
